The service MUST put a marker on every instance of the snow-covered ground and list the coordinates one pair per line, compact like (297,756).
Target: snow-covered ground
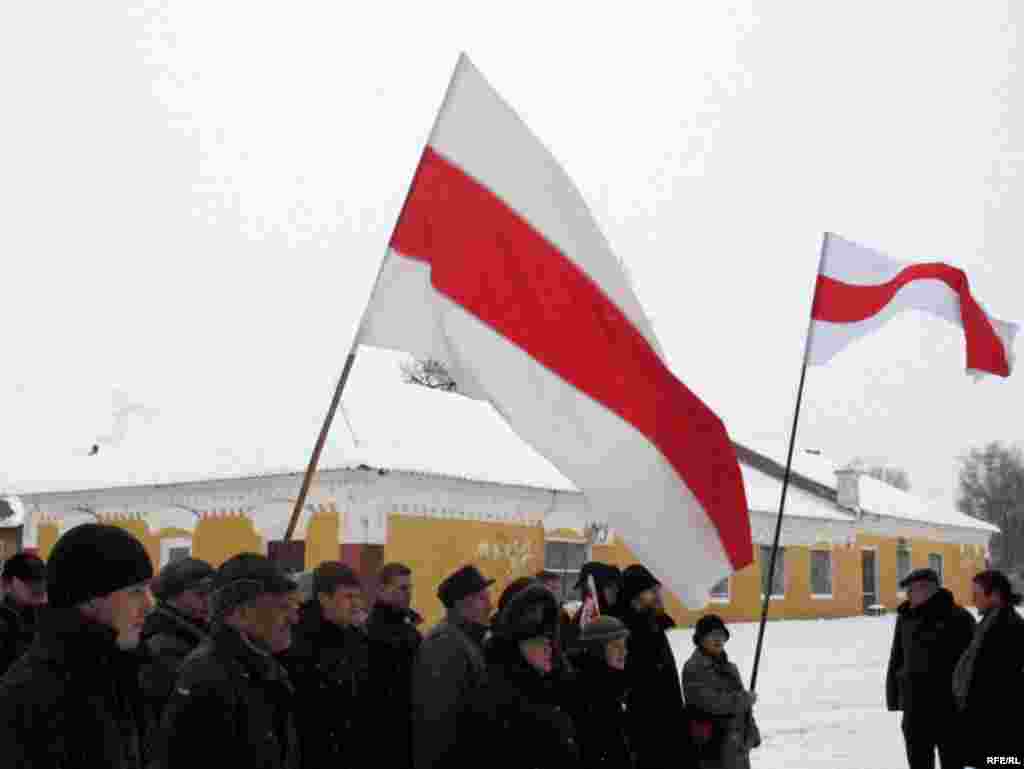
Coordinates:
(821,691)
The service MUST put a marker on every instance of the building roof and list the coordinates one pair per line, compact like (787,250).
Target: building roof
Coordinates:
(384,423)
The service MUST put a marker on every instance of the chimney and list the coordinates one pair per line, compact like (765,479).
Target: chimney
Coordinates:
(848,488)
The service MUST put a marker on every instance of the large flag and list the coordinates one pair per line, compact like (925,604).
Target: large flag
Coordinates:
(497,268)
(859,290)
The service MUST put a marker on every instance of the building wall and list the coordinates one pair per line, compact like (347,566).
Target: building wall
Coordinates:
(9,542)
(434,548)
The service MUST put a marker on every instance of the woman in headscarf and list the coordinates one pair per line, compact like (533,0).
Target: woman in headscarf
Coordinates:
(722,720)
(990,675)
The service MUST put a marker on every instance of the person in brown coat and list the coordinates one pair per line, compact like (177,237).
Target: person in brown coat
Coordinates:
(721,709)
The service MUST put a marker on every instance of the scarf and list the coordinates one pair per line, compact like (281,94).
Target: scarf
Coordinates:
(964,671)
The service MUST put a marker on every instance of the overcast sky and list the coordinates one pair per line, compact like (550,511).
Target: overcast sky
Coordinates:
(196,197)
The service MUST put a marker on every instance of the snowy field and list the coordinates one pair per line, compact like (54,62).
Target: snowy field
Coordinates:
(821,691)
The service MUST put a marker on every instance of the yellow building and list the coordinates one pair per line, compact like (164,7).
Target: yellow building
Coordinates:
(437,480)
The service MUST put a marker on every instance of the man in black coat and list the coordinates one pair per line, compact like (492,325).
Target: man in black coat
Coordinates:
(658,726)
(233,700)
(329,666)
(73,699)
(449,674)
(23,580)
(178,625)
(931,634)
(394,642)
(607,579)
(990,674)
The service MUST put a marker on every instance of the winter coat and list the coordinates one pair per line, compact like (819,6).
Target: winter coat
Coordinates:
(329,668)
(17,628)
(232,700)
(527,713)
(657,721)
(991,724)
(169,637)
(448,675)
(598,706)
(394,643)
(714,691)
(73,700)
(927,644)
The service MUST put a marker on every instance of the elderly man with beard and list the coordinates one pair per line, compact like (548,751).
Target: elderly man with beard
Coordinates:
(24,593)
(73,699)
(233,699)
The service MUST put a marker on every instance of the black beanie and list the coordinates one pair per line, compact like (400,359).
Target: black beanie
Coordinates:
(93,560)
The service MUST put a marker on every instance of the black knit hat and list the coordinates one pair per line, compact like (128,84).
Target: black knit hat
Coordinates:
(244,577)
(530,613)
(187,574)
(706,625)
(462,584)
(635,580)
(94,560)
(604,574)
(28,567)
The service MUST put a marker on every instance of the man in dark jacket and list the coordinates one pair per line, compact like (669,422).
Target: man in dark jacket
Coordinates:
(931,634)
(23,580)
(176,627)
(329,666)
(394,642)
(233,699)
(990,674)
(658,726)
(448,675)
(73,699)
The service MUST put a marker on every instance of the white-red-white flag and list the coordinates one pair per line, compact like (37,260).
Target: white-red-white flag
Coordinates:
(859,289)
(497,268)
(590,610)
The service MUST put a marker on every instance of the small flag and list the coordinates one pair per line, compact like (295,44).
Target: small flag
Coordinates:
(859,290)
(591,609)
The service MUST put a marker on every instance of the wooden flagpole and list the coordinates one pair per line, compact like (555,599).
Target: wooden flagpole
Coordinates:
(767,586)
(322,439)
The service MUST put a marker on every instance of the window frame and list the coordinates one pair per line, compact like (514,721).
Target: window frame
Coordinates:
(830,595)
(720,599)
(779,573)
(941,571)
(173,543)
(565,592)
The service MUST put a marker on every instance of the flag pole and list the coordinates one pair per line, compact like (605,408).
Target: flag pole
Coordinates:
(767,586)
(322,439)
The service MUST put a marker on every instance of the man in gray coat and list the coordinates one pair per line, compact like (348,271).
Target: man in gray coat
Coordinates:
(450,673)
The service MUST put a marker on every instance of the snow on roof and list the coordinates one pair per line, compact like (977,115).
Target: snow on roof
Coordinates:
(876,497)
(764,491)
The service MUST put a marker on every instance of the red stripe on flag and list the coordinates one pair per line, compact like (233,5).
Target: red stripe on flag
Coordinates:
(489,260)
(838,302)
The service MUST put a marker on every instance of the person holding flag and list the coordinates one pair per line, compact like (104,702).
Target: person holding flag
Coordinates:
(599,584)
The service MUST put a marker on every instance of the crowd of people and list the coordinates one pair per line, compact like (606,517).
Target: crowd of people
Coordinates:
(106,664)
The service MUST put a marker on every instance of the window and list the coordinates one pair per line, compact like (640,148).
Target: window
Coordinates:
(720,592)
(935,562)
(174,549)
(821,573)
(902,560)
(566,559)
(779,576)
